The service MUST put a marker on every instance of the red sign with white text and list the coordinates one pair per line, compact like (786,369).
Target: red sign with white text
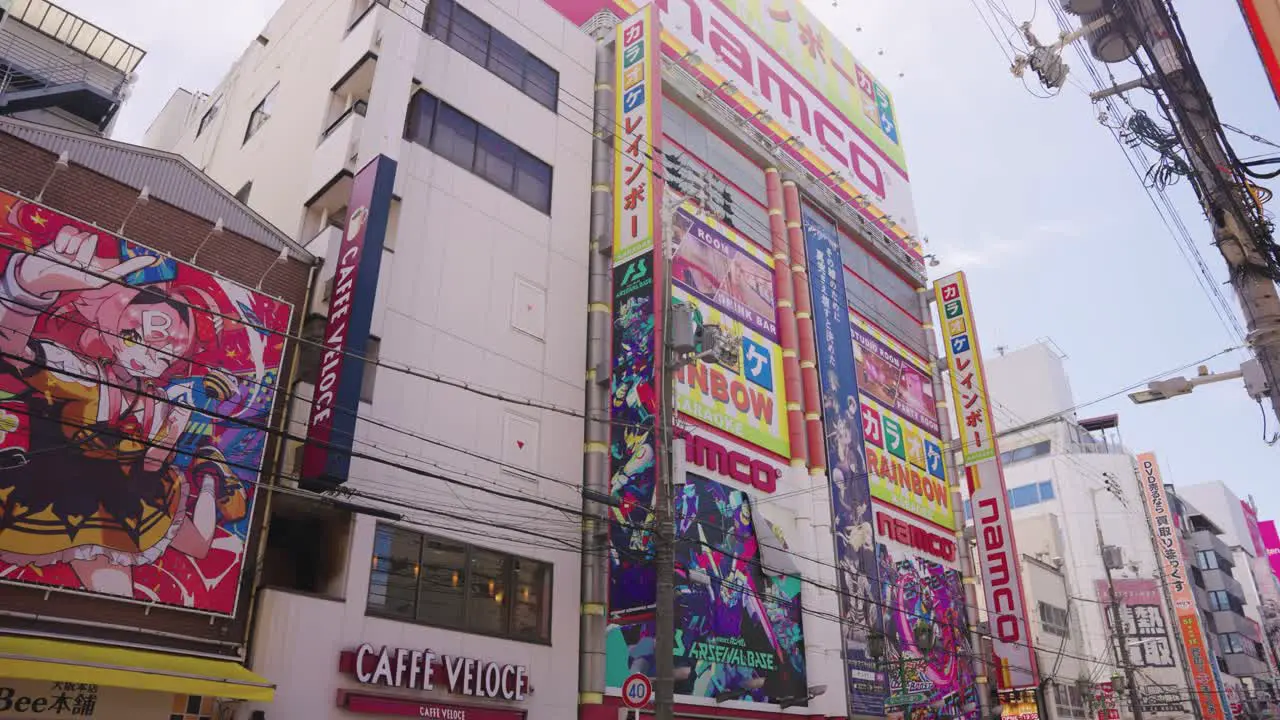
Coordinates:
(425,670)
(707,455)
(904,530)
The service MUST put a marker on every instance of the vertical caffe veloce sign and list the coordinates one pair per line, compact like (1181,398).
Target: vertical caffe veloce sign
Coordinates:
(425,670)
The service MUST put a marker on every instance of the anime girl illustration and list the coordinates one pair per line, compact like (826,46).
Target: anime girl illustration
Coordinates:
(118,452)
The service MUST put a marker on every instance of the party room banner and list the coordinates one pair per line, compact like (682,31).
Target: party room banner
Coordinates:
(718,266)
(134,390)
(894,376)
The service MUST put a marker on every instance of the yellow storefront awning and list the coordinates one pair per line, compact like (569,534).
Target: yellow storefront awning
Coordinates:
(59,661)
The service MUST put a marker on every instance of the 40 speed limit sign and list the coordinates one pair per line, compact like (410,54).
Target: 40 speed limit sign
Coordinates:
(637,691)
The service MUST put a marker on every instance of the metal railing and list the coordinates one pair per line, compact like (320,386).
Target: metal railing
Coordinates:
(24,65)
(77,33)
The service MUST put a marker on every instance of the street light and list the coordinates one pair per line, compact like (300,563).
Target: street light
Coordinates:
(1173,387)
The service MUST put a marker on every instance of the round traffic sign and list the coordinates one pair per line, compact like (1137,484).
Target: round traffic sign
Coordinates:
(637,691)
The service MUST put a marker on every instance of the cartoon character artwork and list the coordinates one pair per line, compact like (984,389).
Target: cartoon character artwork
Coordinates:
(135,391)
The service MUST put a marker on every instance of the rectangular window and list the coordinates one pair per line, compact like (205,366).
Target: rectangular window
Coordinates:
(1027,452)
(261,113)
(1232,643)
(455,585)
(1069,701)
(1046,491)
(1023,496)
(1207,560)
(461,30)
(447,132)
(1219,600)
(208,116)
(1055,620)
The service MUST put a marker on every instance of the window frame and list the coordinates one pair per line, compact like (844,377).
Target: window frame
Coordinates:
(1207,560)
(441,22)
(260,114)
(513,564)
(209,116)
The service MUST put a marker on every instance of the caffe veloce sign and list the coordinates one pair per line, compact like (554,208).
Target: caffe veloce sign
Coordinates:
(425,670)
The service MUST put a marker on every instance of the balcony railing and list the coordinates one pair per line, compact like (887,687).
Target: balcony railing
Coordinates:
(75,32)
(359,108)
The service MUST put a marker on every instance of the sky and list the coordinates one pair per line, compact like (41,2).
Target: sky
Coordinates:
(1031,196)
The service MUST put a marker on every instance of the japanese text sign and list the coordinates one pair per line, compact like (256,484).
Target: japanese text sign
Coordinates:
(638,89)
(968,382)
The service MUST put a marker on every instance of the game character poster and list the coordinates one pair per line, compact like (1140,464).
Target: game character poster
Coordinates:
(134,393)
(734,622)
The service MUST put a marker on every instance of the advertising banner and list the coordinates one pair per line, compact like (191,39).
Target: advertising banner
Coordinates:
(920,581)
(134,390)
(783,72)
(1105,697)
(734,623)
(1271,541)
(331,427)
(997,552)
(1200,658)
(904,456)
(1145,627)
(851,523)
(1255,535)
(636,331)
(729,283)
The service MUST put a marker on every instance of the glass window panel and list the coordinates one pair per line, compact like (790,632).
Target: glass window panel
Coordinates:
(1046,490)
(421,116)
(1023,496)
(531,612)
(487,607)
(393,585)
(541,82)
(454,136)
(533,181)
(495,159)
(439,14)
(469,35)
(442,594)
(506,58)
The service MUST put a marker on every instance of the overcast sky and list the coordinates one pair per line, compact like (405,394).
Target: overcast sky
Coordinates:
(1031,196)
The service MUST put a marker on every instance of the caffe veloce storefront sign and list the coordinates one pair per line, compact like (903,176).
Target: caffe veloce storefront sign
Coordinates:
(424,670)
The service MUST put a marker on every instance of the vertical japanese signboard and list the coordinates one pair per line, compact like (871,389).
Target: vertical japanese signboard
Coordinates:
(637,320)
(1199,656)
(998,555)
(857,568)
(332,424)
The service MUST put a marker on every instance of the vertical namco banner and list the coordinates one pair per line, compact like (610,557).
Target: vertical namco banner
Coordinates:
(336,398)
(1198,655)
(637,316)
(997,552)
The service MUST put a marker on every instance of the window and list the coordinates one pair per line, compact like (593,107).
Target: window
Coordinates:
(1025,453)
(261,113)
(447,132)
(1032,494)
(208,116)
(1219,600)
(451,584)
(1069,701)
(461,30)
(372,351)
(243,193)
(1231,643)
(1055,620)
(1207,560)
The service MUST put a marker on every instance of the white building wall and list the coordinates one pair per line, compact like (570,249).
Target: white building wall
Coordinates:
(1029,384)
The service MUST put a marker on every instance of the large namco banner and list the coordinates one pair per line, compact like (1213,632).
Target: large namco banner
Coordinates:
(134,393)
(904,455)
(774,64)
(729,282)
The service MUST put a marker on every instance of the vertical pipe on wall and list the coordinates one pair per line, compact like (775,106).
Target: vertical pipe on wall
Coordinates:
(595,462)
(963,552)
(783,285)
(804,331)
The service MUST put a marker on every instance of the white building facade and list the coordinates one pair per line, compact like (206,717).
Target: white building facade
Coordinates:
(453,587)
(1068,477)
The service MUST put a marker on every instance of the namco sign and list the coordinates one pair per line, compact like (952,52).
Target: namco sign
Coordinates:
(424,670)
(913,536)
(705,453)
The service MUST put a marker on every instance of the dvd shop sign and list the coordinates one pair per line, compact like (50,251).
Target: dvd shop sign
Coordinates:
(424,670)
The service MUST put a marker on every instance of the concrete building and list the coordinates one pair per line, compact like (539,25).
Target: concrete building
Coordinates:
(1070,478)
(140,375)
(58,69)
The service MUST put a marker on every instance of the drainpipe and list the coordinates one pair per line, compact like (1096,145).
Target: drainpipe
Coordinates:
(963,554)
(804,330)
(782,282)
(595,461)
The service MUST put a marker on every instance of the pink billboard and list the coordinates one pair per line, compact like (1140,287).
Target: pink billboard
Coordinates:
(1271,542)
(1251,520)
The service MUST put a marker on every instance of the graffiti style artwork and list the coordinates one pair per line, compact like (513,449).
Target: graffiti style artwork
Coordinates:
(734,622)
(133,390)
(919,589)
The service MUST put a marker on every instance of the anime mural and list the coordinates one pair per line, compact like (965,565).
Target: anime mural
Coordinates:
(734,622)
(914,588)
(133,393)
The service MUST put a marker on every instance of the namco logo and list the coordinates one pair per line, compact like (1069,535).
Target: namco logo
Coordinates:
(738,466)
(912,536)
(998,551)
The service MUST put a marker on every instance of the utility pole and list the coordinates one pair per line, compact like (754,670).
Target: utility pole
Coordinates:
(1238,231)
(1110,557)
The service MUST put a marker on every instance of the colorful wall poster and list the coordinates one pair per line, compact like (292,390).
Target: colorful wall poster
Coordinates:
(894,376)
(734,623)
(920,581)
(777,67)
(1146,629)
(1006,601)
(1199,656)
(857,568)
(637,333)
(1271,541)
(720,267)
(133,390)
